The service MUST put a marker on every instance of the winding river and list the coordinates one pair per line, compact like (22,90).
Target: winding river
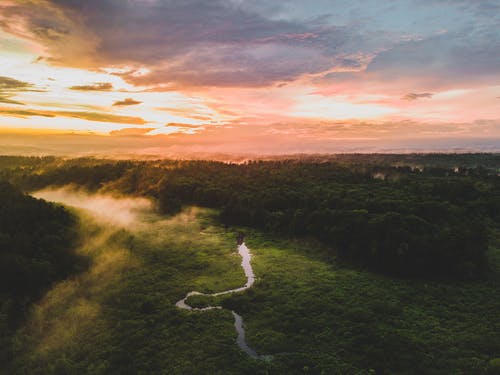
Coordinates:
(238,320)
(124,212)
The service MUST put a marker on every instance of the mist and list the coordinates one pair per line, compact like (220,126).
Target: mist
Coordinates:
(230,146)
(123,237)
(105,208)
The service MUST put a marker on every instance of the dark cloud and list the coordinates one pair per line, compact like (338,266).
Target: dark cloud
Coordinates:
(447,59)
(127,101)
(250,66)
(90,116)
(238,43)
(440,62)
(98,86)
(413,96)
(193,42)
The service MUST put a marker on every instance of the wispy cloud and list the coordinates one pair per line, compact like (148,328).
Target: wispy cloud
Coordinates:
(5,99)
(98,86)
(11,84)
(90,116)
(10,87)
(127,101)
(413,96)
(182,125)
(130,132)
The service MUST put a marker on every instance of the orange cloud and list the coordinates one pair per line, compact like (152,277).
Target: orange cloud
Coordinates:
(7,100)
(127,101)
(179,125)
(90,116)
(98,86)
(131,131)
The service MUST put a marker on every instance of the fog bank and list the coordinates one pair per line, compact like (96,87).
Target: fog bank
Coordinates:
(121,211)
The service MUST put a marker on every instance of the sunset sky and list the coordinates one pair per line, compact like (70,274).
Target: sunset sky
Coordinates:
(249,76)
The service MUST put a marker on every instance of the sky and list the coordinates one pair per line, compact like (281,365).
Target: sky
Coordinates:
(249,76)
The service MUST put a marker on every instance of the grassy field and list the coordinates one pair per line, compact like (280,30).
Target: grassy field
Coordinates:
(119,317)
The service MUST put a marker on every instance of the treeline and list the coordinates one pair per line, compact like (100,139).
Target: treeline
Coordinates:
(402,219)
(37,241)
(399,221)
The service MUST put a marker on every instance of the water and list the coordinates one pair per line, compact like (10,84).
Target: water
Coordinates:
(238,320)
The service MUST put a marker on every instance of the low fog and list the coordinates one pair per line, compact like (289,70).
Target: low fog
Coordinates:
(120,211)
(120,235)
(231,146)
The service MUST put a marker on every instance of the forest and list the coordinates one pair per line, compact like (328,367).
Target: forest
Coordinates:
(37,241)
(391,260)
(425,216)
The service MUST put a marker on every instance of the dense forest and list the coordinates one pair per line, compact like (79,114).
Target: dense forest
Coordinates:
(365,264)
(37,239)
(406,215)
(395,220)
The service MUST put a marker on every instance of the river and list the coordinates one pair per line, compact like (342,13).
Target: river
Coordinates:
(244,252)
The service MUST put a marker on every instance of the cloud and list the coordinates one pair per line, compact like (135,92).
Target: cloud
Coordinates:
(182,125)
(12,84)
(9,87)
(98,86)
(56,27)
(442,61)
(90,116)
(131,131)
(188,43)
(342,46)
(25,113)
(127,101)
(271,139)
(5,99)
(413,96)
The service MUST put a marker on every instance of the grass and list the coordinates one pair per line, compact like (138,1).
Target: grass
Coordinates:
(310,314)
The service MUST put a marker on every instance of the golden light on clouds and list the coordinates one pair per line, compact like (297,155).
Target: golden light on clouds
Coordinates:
(161,68)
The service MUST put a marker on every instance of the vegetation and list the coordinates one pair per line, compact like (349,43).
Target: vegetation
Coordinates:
(324,318)
(384,265)
(389,214)
(119,317)
(37,239)
(408,224)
